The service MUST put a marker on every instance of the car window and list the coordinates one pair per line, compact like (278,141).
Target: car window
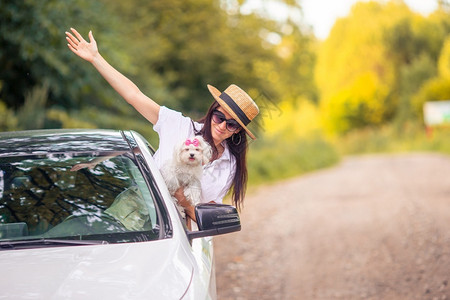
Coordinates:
(46,197)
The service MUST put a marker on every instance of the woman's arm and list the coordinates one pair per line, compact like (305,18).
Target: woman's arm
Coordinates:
(188,208)
(90,165)
(125,87)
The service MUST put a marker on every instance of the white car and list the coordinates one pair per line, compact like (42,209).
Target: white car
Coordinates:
(85,214)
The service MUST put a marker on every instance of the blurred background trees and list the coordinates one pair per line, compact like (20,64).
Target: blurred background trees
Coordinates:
(171,49)
(374,62)
(375,70)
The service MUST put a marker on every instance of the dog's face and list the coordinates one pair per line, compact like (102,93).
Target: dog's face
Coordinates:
(194,151)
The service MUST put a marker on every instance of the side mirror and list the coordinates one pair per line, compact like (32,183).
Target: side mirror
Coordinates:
(215,219)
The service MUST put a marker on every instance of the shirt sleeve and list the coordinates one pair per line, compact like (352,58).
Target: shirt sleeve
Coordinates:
(172,127)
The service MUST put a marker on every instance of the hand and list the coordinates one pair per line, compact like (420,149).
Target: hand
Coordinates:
(181,198)
(79,46)
(77,167)
(188,208)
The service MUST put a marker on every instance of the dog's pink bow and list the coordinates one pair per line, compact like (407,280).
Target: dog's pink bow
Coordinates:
(194,142)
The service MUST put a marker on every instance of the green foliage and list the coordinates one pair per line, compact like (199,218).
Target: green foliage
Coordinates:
(171,49)
(181,46)
(444,60)
(8,120)
(32,114)
(360,105)
(33,50)
(433,90)
(390,57)
(437,88)
(57,118)
(411,137)
(351,58)
(412,78)
(272,159)
(410,36)
(295,69)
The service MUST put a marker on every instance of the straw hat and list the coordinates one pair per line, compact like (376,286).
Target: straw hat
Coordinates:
(238,104)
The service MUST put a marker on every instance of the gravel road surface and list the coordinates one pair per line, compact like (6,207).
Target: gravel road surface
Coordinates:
(373,227)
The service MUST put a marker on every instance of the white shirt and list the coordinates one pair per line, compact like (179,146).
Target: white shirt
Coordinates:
(172,128)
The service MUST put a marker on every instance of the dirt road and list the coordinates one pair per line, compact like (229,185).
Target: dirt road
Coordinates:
(374,227)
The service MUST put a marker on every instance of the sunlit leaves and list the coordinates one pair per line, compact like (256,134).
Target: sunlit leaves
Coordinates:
(364,66)
(293,120)
(444,60)
(437,88)
(357,106)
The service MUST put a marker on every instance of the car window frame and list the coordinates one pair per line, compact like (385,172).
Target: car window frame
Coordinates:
(163,214)
(163,222)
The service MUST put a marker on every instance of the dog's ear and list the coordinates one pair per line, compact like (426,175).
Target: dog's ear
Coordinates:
(177,152)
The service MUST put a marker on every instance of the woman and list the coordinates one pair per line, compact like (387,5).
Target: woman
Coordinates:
(224,127)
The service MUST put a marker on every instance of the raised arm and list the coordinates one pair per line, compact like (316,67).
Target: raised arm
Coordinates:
(125,87)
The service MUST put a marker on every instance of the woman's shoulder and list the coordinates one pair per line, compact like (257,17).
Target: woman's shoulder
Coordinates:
(168,113)
(171,115)
(169,118)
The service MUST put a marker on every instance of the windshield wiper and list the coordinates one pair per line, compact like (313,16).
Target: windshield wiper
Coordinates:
(4,245)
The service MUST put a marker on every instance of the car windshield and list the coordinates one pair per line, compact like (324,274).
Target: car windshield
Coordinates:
(58,197)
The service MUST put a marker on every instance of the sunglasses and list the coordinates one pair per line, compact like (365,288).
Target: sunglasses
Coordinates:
(218,117)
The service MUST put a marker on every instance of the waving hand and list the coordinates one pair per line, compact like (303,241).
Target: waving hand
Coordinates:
(124,86)
(80,46)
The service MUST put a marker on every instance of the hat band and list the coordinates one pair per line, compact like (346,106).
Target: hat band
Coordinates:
(237,110)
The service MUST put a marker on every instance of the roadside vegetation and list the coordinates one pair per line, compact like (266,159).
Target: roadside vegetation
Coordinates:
(359,91)
(412,138)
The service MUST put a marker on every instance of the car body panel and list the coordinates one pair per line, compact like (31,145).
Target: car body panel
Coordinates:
(148,270)
(202,250)
(175,266)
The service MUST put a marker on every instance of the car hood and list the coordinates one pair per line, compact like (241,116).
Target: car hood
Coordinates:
(146,270)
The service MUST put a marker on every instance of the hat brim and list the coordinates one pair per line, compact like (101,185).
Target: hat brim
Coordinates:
(216,94)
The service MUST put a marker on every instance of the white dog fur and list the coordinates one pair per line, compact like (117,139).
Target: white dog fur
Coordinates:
(185,169)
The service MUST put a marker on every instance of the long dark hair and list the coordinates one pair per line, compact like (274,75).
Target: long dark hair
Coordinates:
(238,149)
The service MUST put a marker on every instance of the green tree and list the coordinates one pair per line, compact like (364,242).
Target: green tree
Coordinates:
(170,49)
(444,60)
(412,78)
(437,88)
(180,46)
(33,50)
(386,42)
(8,120)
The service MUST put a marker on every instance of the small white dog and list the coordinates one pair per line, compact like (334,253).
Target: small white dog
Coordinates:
(185,170)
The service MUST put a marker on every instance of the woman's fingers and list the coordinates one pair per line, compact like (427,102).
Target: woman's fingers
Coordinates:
(72,48)
(91,37)
(71,42)
(70,38)
(80,46)
(79,37)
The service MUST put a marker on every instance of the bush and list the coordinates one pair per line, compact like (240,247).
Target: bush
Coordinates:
(274,159)
(411,136)
(8,120)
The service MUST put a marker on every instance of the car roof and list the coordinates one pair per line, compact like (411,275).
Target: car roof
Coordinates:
(30,142)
